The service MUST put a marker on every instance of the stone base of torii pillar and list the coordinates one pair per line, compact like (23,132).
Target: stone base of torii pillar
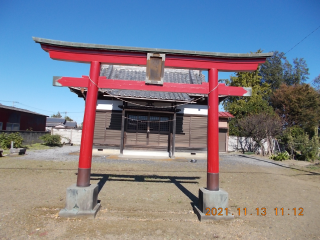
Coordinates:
(213,205)
(81,202)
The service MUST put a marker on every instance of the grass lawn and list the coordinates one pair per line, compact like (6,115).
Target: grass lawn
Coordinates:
(36,146)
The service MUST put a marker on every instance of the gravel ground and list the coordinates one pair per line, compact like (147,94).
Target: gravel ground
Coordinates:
(55,154)
(71,153)
(236,159)
(152,199)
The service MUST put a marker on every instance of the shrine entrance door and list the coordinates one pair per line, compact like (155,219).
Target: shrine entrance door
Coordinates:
(147,130)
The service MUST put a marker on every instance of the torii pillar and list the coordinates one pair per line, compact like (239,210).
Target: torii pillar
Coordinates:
(213,132)
(82,197)
(85,158)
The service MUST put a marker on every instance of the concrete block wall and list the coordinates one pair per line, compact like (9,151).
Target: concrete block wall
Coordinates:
(29,137)
(236,144)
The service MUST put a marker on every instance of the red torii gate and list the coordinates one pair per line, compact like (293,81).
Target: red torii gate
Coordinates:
(96,54)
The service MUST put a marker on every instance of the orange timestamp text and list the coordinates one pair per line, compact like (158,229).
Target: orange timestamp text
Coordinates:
(258,212)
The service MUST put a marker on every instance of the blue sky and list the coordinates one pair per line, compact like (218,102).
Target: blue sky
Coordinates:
(219,26)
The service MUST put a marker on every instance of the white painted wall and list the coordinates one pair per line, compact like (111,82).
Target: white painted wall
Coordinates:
(66,134)
(113,104)
(194,109)
(186,109)
(236,143)
(108,104)
(223,124)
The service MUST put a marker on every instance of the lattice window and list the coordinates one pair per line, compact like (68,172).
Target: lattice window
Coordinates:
(132,122)
(13,126)
(154,124)
(164,124)
(142,123)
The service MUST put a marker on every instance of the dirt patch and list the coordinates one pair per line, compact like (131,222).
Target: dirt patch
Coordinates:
(298,163)
(153,199)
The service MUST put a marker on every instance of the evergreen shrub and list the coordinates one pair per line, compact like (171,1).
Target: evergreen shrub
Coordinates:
(280,156)
(5,140)
(51,140)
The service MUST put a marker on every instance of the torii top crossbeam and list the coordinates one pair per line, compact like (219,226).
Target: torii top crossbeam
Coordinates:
(95,55)
(86,53)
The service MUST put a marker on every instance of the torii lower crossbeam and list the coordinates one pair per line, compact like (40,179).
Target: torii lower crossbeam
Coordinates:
(203,88)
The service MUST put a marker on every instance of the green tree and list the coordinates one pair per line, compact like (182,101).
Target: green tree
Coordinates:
(316,83)
(5,140)
(58,115)
(278,70)
(299,144)
(296,74)
(272,70)
(298,105)
(68,119)
(241,107)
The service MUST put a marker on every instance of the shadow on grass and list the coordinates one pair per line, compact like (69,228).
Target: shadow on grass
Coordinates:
(280,165)
(177,180)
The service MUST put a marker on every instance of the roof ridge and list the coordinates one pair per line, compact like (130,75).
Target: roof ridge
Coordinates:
(20,110)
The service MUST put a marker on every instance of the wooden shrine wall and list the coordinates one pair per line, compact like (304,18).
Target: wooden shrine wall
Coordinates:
(191,132)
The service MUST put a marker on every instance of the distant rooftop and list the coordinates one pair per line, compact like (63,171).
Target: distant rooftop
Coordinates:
(225,115)
(71,124)
(20,110)
(54,122)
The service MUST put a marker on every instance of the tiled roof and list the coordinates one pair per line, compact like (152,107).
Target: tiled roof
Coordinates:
(52,122)
(149,95)
(139,74)
(20,110)
(225,115)
(56,120)
(71,124)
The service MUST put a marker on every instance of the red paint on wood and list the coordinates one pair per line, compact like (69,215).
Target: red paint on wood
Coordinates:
(213,123)
(167,87)
(231,91)
(74,82)
(218,63)
(87,56)
(89,119)
(134,58)
(135,85)
(140,85)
